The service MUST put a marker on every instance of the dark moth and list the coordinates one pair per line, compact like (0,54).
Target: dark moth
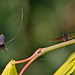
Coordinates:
(63,38)
(2,45)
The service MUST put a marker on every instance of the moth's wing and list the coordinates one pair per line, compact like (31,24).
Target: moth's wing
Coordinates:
(56,39)
(70,36)
(2,38)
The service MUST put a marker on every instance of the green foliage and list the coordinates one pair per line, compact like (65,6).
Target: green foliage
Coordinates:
(43,21)
(68,67)
(10,69)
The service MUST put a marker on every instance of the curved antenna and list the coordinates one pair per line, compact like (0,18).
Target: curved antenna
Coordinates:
(18,29)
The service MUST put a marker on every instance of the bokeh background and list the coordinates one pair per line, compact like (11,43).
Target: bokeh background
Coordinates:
(43,21)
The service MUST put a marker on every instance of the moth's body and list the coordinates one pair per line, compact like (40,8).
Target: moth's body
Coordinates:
(2,45)
(63,38)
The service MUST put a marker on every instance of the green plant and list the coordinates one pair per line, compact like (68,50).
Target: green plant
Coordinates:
(66,69)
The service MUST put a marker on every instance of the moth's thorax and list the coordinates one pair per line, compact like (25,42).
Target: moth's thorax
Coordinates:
(1,43)
(65,37)
(2,46)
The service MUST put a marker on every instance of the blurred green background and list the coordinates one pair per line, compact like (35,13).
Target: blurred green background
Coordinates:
(43,21)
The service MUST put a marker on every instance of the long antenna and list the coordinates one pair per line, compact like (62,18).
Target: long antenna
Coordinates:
(18,29)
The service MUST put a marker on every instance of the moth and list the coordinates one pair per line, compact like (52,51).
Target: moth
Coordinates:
(2,45)
(64,37)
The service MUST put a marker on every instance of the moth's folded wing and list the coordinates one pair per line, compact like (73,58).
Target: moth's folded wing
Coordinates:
(2,38)
(72,35)
(56,39)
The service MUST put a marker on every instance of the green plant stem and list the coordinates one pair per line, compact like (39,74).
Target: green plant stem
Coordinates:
(24,68)
(42,51)
(31,57)
(47,49)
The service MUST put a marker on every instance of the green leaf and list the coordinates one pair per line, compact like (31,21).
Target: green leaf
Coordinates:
(73,73)
(10,69)
(68,67)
